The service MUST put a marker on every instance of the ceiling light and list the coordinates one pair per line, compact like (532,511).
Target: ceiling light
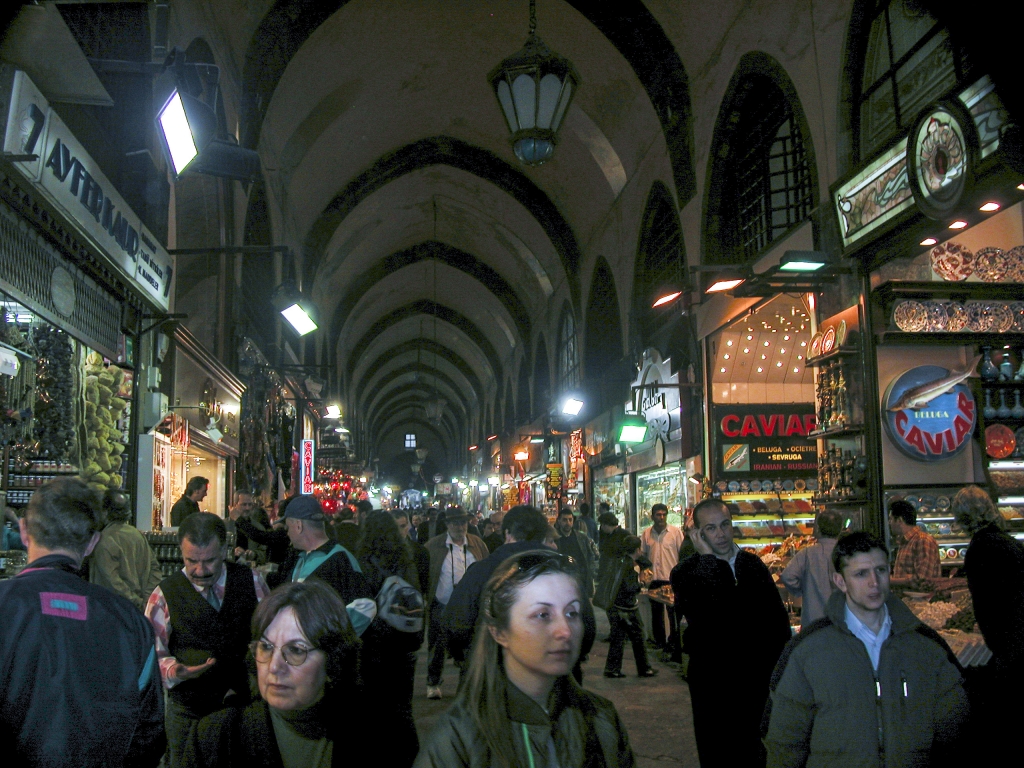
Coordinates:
(799,357)
(333,411)
(474,447)
(537,439)
(633,430)
(491,438)
(1020,187)
(725,357)
(958,224)
(721,370)
(782,351)
(728,343)
(534,87)
(778,364)
(767,344)
(796,370)
(989,207)
(668,297)
(760,370)
(299,319)
(474,483)
(803,261)
(493,481)
(190,131)
(521,455)
(803,343)
(572,406)
(764,357)
(746,350)
(929,241)
(786,337)
(722,285)
(749,338)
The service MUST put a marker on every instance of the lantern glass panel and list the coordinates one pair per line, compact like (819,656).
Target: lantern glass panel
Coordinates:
(524,91)
(505,99)
(550,87)
(562,104)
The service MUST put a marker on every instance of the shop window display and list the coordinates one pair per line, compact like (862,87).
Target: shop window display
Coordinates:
(661,486)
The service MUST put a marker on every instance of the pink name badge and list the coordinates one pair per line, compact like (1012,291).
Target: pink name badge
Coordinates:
(64,605)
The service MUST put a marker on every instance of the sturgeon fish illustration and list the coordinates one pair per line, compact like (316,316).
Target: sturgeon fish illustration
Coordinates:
(919,397)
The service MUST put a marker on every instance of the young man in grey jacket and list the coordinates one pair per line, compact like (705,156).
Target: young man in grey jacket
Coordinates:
(869,684)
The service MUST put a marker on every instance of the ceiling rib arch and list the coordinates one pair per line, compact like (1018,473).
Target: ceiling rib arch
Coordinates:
(446,254)
(412,402)
(416,388)
(430,309)
(409,370)
(447,150)
(410,418)
(435,350)
(627,24)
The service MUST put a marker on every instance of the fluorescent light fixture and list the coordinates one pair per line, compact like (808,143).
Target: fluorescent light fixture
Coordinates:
(473,447)
(522,455)
(174,124)
(630,433)
(493,481)
(537,439)
(491,438)
(455,480)
(299,319)
(803,261)
(723,284)
(333,411)
(663,300)
(572,406)
(929,241)
(473,483)
(989,207)
(362,479)
(958,224)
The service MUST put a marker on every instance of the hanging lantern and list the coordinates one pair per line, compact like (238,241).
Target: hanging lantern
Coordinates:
(534,88)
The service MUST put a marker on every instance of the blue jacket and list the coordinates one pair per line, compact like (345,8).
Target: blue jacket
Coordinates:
(81,685)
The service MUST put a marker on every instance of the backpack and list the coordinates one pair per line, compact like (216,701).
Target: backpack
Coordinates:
(400,605)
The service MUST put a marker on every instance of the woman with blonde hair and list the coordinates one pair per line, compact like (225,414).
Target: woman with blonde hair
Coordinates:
(519,705)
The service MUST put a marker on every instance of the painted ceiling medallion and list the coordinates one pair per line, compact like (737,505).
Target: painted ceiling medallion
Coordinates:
(939,158)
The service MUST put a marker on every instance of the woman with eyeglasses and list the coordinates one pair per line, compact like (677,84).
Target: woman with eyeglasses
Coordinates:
(519,705)
(305,654)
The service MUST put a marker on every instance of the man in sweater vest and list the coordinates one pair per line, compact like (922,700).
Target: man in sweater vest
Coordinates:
(201,617)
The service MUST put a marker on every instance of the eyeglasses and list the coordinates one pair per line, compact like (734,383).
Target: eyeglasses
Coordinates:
(293,653)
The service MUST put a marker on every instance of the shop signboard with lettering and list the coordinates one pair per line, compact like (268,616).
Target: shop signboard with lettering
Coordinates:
(70,179)
(307,468)
(929,412)
(765,440)
(554,478)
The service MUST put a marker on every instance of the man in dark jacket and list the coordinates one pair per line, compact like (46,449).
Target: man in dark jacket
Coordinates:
(525,529)
(67,645)
(188,504)
(574,543)
(315,555)
(201,616)
(733,611)
(622,614)
(869,684)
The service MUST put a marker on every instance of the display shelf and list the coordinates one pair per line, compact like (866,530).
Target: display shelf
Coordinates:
(903,338)
(835,354)
(899,289)
(753,517)
(852,501)
(849,430)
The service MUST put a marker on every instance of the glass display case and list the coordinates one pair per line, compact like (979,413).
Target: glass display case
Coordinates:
(665,485)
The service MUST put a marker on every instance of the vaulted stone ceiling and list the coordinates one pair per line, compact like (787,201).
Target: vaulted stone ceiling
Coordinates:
(436,258)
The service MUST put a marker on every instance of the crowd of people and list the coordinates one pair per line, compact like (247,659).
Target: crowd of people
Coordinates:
(216,665)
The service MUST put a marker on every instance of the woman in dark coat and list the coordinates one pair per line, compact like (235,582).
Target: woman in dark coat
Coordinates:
(305,654)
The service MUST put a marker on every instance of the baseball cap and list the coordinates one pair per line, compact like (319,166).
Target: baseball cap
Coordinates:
(304,508)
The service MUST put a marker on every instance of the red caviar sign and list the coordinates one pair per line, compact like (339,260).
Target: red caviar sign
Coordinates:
(306,468)
(942,421)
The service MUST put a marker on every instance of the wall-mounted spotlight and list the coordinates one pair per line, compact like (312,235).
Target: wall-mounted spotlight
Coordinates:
(633,430)
(297,310)
(572,406)
(333,411)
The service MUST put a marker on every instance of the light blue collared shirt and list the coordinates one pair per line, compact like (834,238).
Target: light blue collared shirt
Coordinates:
(872,642)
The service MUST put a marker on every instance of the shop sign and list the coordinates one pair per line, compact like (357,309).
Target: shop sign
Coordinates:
(554,478)
(72,181)
(307,470)
(575,455)
(442,489)
(765,438)
(929,413)
(655,404)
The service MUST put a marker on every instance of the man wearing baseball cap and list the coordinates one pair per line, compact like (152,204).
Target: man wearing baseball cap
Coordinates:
(313,553)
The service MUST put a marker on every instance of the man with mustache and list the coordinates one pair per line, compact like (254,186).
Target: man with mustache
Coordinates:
(201,618)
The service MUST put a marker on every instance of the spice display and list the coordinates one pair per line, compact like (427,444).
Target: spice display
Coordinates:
(54,422)
(101,466)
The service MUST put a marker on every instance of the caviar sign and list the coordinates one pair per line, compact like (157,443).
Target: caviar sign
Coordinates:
(929,412)
(767,440)
(306,468)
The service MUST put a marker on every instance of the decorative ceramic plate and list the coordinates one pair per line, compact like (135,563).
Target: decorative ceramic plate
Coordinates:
(733,486)
(1015,264)
(840,333)
(722,486)
(755,486)
(957,317)
(938,316)
(777,485)
(828,341)
(744,486)
(990,264)
(812,483)
(816,345)
(766,486)
(787,485)
(942,502)
(910,316)
(1017,307)
(979,317)
(801,484)
(952,262)
(951,553)
(1002,316)
(999,441)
